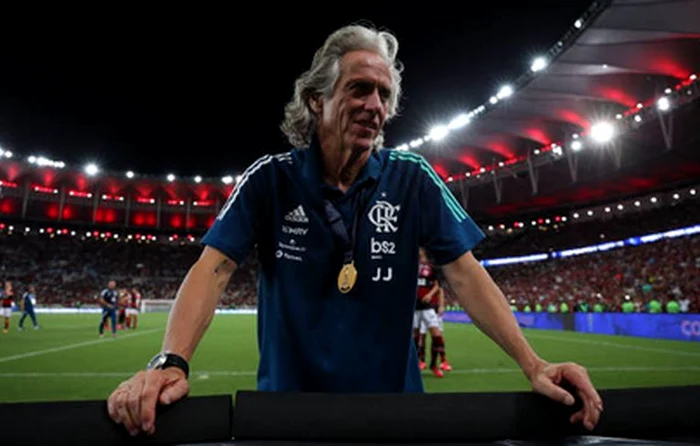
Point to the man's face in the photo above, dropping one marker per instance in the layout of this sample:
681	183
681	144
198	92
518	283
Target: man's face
112	284
355	114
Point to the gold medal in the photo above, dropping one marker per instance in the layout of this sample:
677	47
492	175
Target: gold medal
347	277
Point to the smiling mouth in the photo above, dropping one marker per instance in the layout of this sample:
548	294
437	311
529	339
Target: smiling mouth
368	124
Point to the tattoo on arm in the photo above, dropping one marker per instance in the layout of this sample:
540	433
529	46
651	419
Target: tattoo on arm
223	266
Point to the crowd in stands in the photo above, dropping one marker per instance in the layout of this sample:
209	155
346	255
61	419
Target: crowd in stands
70	271
610	227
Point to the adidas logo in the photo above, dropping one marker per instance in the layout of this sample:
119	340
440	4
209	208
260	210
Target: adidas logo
297	215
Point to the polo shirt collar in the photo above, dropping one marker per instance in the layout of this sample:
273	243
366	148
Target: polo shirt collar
312	166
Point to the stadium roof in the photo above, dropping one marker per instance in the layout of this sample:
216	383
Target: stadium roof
515	152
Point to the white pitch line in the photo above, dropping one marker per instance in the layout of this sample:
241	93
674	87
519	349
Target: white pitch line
613	344
474	371
78	345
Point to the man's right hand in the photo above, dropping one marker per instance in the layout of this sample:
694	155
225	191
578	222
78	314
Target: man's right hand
133	402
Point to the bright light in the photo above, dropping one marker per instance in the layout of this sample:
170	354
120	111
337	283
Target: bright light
640	105
602	132
91	169
504	92
130	174
668	91
676	196
620	207
692	191
576	215
228	179
8	154
197	179
590	213
637	203
239	178
32	159
538	64
439	132
578	23
637	118
171	177
663	104
654	199
618	116
576	146
459	121
693	77
402	147
493	99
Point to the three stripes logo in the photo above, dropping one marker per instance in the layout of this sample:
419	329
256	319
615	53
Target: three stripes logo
297	215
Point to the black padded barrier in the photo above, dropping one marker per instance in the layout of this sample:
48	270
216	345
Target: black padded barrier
77	423
651	416
658	413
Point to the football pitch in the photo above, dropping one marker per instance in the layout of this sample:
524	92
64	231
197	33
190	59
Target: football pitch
65	359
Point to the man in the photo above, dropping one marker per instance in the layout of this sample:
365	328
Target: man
132	311
425	315
109	299
337	224
8	299
27	305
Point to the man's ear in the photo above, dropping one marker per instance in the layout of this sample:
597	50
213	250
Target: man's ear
316	103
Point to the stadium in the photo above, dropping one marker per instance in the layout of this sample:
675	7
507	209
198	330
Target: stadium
583	173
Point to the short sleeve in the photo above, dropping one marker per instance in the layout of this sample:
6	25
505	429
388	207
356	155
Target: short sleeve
236	227
446	231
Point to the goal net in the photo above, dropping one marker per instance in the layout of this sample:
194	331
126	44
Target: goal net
156	305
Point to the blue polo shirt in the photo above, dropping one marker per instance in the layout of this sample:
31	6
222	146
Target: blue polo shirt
311	337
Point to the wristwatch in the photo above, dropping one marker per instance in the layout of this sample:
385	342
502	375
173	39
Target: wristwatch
164	360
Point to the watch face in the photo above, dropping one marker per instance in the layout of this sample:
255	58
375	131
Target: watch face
157	362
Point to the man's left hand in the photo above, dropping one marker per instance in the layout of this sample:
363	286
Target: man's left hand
547	379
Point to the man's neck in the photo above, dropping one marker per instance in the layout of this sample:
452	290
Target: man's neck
342	166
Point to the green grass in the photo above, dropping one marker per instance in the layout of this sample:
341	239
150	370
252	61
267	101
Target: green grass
65	360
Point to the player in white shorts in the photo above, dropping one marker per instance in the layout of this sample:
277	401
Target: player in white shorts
428	289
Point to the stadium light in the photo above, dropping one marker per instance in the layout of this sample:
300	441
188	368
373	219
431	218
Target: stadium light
438	132
602	132
576	146
130	174
459	121
91	169
197	179
228	179
663	104
539	64
504	92
171	177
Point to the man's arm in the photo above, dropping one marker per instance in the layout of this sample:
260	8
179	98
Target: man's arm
441	301
196	302
487	306
431	293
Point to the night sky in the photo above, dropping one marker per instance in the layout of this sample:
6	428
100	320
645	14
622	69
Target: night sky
202	91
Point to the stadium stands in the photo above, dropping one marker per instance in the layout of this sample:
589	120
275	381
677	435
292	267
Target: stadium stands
70	270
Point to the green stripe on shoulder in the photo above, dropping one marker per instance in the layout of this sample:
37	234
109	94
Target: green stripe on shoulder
451	202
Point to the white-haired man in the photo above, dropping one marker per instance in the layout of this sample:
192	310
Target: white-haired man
338	223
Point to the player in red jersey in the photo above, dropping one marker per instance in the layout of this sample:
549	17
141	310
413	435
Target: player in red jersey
8	298
438	304
132	311
428	286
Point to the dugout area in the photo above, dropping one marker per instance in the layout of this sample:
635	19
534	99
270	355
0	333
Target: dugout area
651	416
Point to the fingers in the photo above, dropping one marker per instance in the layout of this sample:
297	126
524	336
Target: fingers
123	410
153	385
589	415
133	407
175	391
549	389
